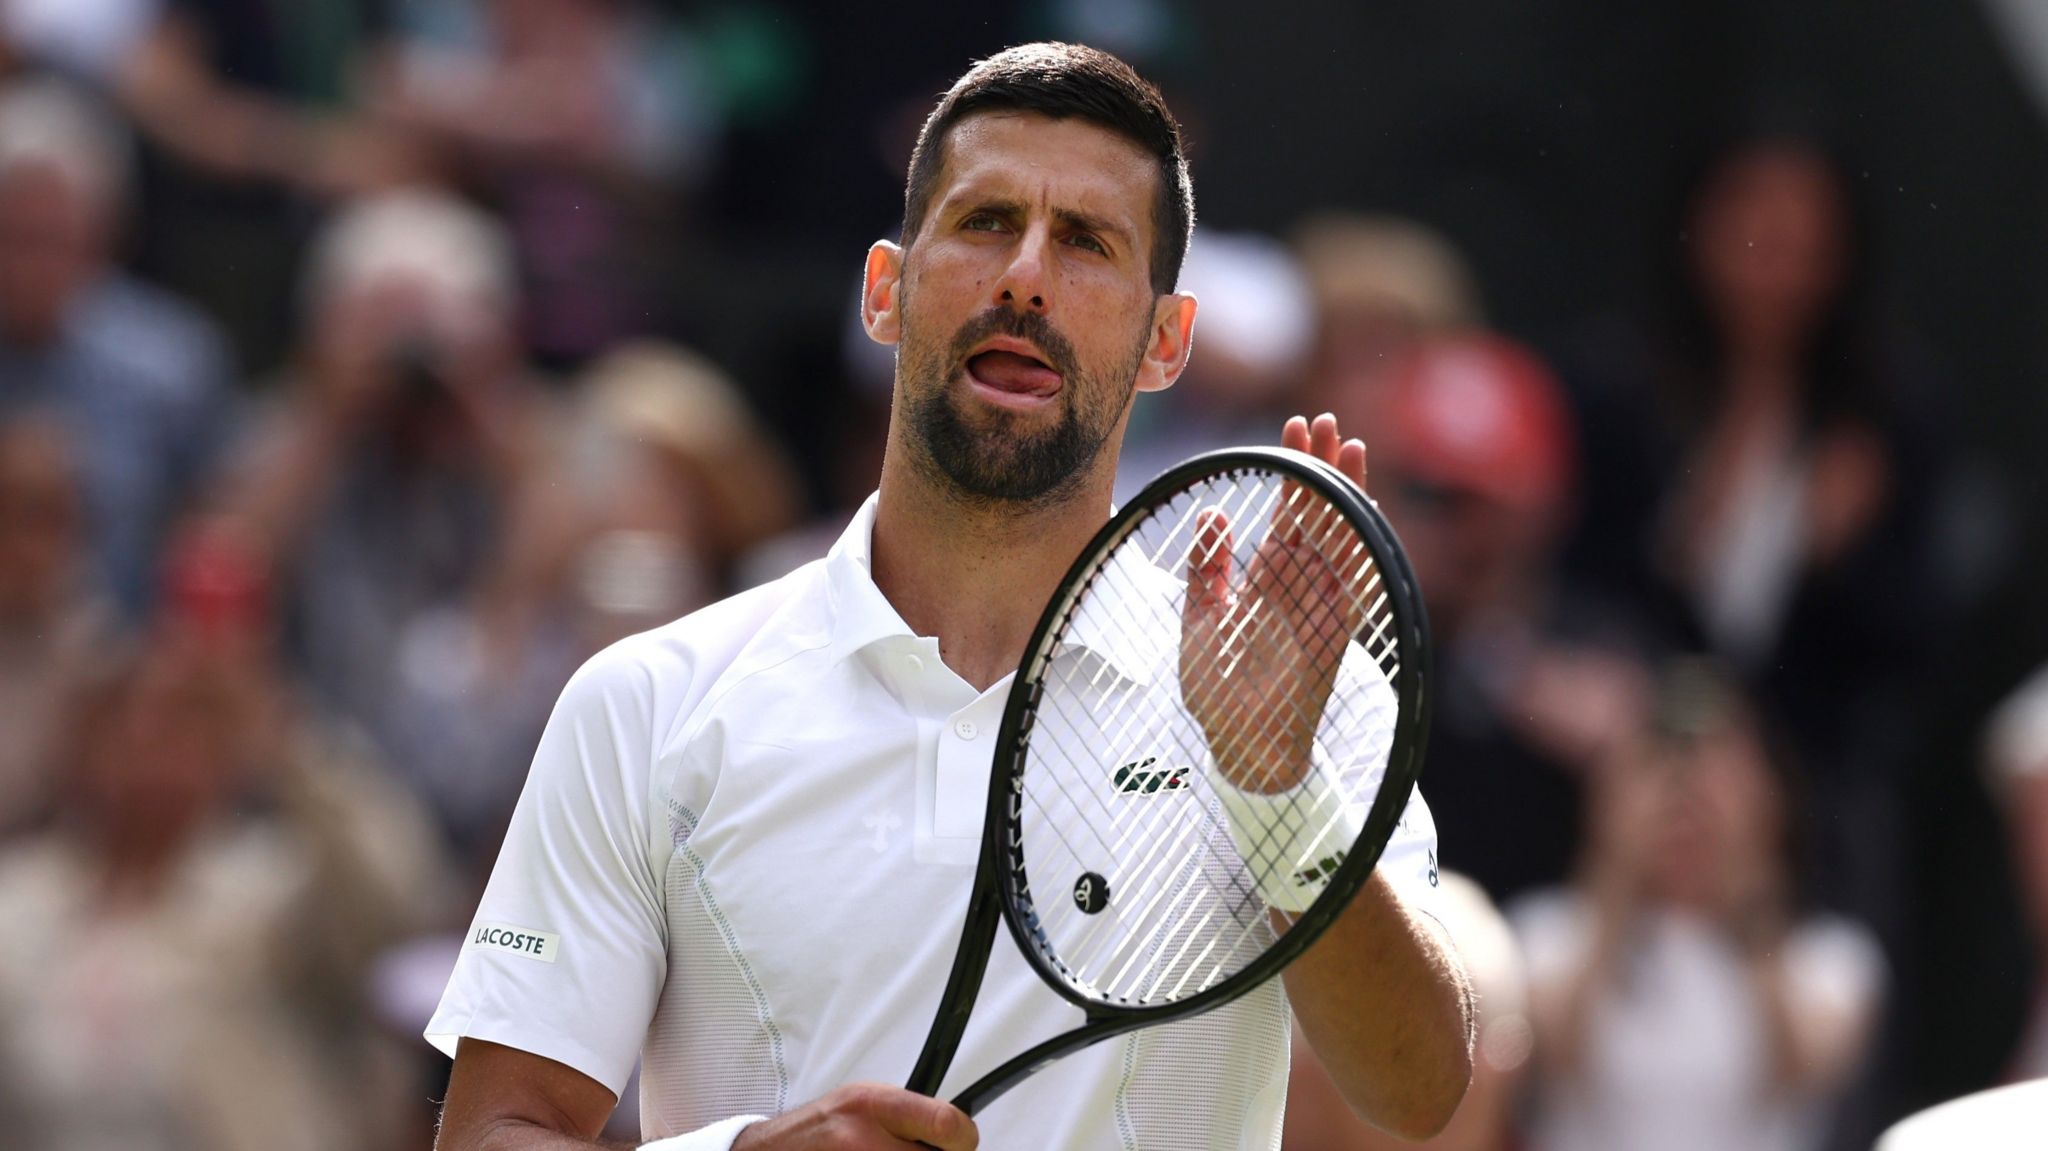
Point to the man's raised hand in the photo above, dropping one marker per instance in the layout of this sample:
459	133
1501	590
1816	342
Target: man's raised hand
1259	657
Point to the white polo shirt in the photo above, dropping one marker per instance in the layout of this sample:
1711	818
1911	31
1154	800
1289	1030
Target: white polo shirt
743	854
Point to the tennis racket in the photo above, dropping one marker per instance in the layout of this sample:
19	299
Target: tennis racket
1210	740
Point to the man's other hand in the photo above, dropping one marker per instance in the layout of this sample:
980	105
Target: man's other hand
864	1117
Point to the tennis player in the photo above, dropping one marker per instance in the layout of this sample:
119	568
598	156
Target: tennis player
748	838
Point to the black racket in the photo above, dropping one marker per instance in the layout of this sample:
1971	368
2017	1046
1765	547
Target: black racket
1150	836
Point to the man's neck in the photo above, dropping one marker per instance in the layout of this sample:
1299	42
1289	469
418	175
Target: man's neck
973	575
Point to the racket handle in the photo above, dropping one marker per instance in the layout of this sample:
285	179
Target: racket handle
939	1047
963	985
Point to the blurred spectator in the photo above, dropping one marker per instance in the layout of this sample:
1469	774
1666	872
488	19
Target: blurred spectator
1318	1119
1789	469
678	479
1766	479
50	620
259	89
187	947
246	112
137	377
2016	751
663	479
578	119
1379	284
1474	460
1680	999
385	481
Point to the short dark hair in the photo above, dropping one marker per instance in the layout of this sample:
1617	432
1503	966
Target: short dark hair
1059	81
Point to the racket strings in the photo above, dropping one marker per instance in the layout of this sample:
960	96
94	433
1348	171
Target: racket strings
1120	783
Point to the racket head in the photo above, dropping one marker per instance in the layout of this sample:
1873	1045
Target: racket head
1073	749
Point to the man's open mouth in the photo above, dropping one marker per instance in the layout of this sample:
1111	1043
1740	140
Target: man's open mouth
1018	373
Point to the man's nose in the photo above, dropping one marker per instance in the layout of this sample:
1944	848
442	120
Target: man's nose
1027	280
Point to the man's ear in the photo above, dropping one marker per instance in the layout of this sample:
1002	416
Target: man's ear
881	294
1173	337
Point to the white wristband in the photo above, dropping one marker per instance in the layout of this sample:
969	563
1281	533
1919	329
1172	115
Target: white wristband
717	1137
1291	841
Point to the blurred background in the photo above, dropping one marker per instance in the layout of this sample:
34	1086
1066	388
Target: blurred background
366	366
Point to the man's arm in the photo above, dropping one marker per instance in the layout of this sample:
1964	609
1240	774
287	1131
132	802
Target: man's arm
1384	1000
504	1099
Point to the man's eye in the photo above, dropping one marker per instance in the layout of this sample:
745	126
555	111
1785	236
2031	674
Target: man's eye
981	222
1085	240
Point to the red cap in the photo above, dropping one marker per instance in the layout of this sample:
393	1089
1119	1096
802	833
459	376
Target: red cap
217	580
1482	414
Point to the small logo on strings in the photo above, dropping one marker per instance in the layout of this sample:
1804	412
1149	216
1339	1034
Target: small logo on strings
1091	892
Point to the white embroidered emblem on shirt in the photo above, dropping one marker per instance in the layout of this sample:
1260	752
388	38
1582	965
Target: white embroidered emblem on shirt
881	823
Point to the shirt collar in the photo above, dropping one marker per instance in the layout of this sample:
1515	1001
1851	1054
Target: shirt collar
1130	620
861	614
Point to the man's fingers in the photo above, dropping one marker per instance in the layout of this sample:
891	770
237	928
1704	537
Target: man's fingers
1306	526
1351	461
1319	438
1322	435
922	1119
1295	434
1209	562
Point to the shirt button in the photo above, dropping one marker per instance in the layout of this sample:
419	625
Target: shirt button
965	729
913	663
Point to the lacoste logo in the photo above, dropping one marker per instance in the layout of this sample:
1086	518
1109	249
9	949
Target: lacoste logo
1141	778
541	945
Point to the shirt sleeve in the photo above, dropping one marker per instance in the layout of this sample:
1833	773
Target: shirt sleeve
1409	862
568	950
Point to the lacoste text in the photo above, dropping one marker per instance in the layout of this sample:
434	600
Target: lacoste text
541	945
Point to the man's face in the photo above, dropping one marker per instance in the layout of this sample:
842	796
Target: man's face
1027	316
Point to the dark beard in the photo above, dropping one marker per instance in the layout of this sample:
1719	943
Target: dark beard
992	457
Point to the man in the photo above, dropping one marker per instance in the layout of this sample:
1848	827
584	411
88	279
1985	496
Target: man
136	378
749	836
391	479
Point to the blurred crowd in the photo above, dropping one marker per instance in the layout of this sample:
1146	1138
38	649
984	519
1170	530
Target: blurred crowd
348	401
